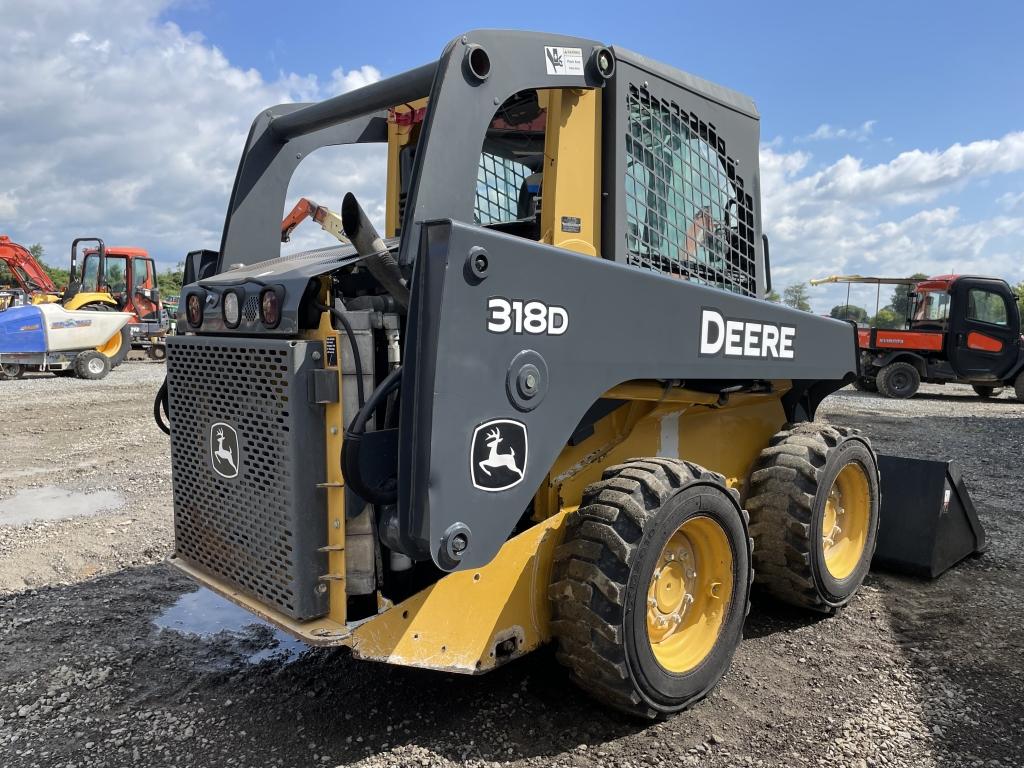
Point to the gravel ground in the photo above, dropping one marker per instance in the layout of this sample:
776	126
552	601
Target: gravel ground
93	673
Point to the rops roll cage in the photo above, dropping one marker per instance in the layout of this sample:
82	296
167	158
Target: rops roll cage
483	67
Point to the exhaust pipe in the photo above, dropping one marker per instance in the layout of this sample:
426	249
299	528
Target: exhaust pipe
370	246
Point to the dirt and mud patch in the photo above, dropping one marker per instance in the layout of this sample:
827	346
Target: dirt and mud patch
110	658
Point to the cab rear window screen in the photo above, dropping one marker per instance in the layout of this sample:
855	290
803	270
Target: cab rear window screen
687	213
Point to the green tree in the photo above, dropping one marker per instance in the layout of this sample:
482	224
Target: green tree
887	318
900	302
796	296
1019	290
169	281
59	275
773	296
849	312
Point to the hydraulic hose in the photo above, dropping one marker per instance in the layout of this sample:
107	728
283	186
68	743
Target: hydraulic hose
161	414
353	441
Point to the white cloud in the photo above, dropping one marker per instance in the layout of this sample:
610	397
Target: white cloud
849	217
118	125
828	132
1011	201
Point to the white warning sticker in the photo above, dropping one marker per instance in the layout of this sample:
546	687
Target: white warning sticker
563	61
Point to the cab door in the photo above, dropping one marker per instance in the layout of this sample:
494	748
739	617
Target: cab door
984	328
145	296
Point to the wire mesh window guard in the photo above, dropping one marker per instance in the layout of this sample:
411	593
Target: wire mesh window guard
687	213
498	182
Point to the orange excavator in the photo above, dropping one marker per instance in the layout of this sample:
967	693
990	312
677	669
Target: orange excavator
307	209
21	276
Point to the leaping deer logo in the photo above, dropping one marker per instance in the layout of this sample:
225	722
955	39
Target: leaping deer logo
498	455
495	459
222	455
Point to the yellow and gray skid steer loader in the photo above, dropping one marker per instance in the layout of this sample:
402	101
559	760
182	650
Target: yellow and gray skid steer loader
549	404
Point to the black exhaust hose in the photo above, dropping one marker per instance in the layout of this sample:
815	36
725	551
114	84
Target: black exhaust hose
370	246
340	317
353	437
163	420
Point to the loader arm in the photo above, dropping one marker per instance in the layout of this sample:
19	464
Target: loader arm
541	335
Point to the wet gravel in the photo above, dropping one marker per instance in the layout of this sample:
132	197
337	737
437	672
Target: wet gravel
109	658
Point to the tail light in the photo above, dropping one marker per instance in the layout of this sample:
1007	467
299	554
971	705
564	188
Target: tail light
270	307
232	309
194	309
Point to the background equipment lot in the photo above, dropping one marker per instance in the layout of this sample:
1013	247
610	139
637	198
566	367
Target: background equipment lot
911	673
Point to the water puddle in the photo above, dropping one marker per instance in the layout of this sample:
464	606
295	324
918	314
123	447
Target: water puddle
51	503
206	614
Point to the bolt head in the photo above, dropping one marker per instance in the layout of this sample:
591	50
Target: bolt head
459	542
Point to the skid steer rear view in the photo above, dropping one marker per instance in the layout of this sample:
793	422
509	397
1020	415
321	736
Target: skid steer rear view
550	404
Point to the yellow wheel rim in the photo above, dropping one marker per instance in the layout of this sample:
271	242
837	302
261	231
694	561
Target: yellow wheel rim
844	529
689	594
112	346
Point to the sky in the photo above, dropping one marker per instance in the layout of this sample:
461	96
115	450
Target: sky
892	133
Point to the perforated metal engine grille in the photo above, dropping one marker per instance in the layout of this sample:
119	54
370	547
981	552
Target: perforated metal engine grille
687	212
261	529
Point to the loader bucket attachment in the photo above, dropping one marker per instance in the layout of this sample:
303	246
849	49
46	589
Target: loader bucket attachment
928	522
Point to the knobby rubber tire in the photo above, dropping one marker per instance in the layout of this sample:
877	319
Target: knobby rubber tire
885	383
82	365
11	371
1018	387
599	583
786	497
126	335
865	384
986	391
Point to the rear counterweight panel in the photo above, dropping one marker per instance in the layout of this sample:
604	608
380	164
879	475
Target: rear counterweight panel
247	453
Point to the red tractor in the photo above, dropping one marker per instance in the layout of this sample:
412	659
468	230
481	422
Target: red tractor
959	329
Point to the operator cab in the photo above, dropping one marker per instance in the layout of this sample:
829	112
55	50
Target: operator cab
128	276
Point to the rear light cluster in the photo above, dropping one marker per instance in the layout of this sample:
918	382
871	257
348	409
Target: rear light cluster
270	306
231	307
194	310
233	304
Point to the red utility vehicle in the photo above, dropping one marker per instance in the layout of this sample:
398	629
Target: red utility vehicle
959	329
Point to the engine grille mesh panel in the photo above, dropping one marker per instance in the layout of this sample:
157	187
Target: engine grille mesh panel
250	529
687	212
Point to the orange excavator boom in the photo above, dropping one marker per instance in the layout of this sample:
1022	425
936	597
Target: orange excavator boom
29	273
307	209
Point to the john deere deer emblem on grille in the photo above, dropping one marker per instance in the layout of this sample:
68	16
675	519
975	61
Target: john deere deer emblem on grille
224	454
498	455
